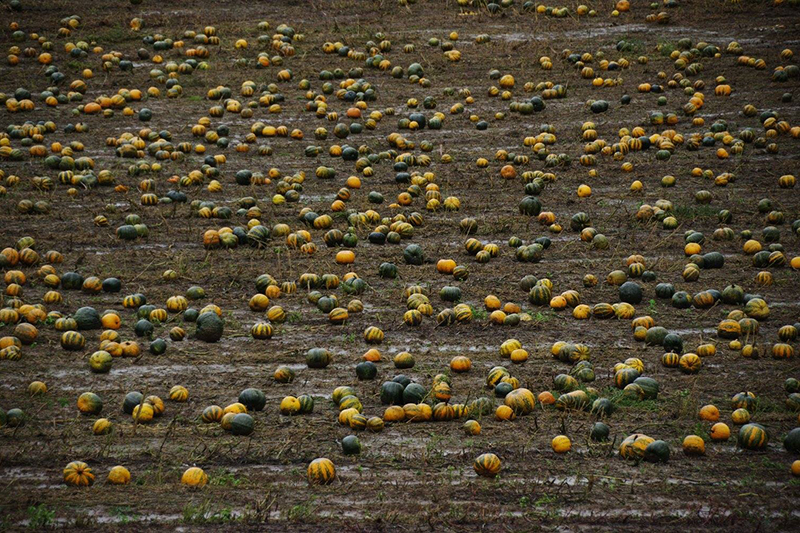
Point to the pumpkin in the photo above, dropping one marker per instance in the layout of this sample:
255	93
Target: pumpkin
350	402
792	441
743	400
495	375
561	444
283	374
37	388
670	360
321	471
487	465
404	360
253	399
753	437
212	413
709	413
690	363
694	445
242	424
577	399
318	358
740	416
720	432
131	400
460	364
600	432
26	333
208	327
472	427
143	413
119	475
782	351
657	452
101	426
78	474
90	403
100	362
194	477
634	446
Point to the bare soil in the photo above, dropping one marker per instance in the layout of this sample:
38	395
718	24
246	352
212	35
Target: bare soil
411	476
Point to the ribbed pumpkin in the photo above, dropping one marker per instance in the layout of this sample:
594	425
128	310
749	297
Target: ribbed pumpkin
487	465
78	474
753	437
521	400
690	363
321	471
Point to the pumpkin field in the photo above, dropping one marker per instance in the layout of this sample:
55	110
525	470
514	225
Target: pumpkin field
381	265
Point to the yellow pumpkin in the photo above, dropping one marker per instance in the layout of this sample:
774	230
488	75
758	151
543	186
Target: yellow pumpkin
194	477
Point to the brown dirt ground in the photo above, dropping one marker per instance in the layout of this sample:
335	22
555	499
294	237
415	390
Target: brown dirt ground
410	476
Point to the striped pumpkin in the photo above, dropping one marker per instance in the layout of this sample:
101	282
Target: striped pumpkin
495	375
487	465
178	393
690	363
78	474
753	437
782	351
212	413
261	330
603	311
373	335
521	400
321	471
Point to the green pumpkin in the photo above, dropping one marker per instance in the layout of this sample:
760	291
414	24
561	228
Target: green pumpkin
450	294
413	254
253	399
600	432
414	393
143	328
791	385
481	406
565	383
630	292
655	336
366	370
14	418
351	445
391	393
131	400
208	327
602	407
743	400
657	452
577	399
71	281
306	403
387	270
242	424
792	441
318	358
793	402
649	386
625	377
127	232
87	318
195	293
530	206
